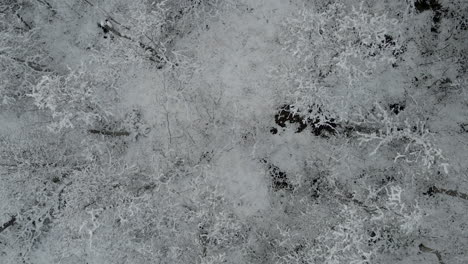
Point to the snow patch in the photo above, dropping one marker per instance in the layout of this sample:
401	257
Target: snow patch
244	181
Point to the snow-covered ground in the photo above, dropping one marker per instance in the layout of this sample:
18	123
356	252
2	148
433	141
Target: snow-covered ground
243	131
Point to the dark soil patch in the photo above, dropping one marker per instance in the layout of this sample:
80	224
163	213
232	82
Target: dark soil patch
388	40
464	127
286	115
387	43
206	156
279	178
397	108
424	5
431	191
318	186
435	7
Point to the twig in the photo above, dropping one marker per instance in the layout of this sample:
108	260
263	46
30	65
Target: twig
167	113
155	57
33	65
106	13
423	248
49	6
440	60
24	22
71	8
6	8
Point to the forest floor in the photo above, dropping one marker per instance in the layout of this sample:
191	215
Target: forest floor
204	159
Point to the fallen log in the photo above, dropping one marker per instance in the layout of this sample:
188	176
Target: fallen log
109	133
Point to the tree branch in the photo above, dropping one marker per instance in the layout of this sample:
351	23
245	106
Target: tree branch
24	22
423	248
10	222
433	190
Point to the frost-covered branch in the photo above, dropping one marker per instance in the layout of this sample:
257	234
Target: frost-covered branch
71	99
418	140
